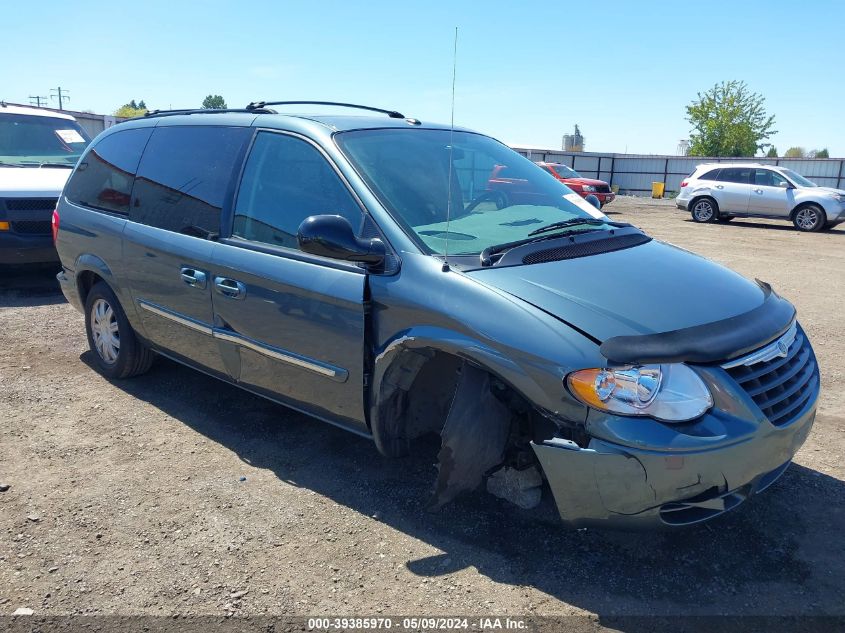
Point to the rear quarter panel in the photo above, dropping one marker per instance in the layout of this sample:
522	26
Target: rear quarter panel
93	241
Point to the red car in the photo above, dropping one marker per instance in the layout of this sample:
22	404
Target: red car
582	186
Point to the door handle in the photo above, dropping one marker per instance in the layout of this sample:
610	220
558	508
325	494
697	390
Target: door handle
192	277
720	186
230	287
760	191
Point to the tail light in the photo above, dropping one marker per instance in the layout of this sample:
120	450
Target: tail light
684	183
54	224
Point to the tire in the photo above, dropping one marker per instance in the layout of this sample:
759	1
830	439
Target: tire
116	350
809	218
704	210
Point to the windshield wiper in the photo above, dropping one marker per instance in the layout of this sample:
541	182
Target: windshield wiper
487	254
567	223
68	165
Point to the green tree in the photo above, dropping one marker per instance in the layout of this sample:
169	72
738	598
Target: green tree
729	120
772	153
795	152
214	102
822	153
131	109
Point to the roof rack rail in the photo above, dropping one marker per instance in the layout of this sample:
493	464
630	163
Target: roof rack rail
158	113
257	105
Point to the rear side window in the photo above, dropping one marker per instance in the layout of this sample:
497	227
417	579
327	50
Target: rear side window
184	176
286	180
103	179
713	174
740	175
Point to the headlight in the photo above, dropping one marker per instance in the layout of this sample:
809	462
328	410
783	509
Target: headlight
588	188
839	197
670	392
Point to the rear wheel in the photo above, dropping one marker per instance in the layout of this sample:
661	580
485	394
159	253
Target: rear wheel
117	351
809	218
704	210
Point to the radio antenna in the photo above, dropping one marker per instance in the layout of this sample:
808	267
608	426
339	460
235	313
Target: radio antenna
451	167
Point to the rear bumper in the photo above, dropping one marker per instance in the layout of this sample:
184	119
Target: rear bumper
67	283
681	204
614	486
26	249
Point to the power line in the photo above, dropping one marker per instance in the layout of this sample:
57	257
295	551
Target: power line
37	101
62	95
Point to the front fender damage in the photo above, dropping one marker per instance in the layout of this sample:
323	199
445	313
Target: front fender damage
473	438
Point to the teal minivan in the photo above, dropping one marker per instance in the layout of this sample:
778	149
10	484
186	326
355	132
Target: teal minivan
361	269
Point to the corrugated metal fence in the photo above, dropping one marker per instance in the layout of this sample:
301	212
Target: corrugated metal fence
634	173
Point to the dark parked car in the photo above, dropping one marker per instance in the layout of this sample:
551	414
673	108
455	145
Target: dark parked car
359	269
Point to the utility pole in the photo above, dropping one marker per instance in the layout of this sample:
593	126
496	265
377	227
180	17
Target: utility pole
61	94
37	101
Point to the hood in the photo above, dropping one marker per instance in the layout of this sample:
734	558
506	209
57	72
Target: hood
646	289
840	192
32	182
583	181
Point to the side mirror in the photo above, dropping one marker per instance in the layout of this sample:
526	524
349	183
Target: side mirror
785	185
333	236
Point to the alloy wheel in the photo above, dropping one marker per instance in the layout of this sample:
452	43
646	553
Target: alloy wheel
806	219
703	211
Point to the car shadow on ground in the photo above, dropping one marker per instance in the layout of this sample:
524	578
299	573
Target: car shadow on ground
780	553
29	285
773	226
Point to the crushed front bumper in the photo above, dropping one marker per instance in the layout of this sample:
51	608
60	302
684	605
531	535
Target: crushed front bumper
623	486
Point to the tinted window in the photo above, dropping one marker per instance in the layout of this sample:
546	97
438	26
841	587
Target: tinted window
736	174
184	175
713	174
286	180
768	178
103	179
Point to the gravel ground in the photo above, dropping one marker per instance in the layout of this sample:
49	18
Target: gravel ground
174	493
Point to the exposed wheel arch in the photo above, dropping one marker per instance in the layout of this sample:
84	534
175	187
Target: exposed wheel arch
413	393
484	427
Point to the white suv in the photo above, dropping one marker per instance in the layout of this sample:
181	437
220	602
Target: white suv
723	191
38	150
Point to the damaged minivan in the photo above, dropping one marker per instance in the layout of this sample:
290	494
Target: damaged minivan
362	270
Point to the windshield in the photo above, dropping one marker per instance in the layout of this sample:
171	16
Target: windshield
491	194
565	172
798	179
30	141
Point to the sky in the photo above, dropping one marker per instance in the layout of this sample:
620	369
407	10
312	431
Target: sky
527	71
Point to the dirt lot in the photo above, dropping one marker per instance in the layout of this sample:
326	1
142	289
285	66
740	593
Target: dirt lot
174	493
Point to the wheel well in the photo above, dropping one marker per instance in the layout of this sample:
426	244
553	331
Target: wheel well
695	200
417	392
85	281
480	426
